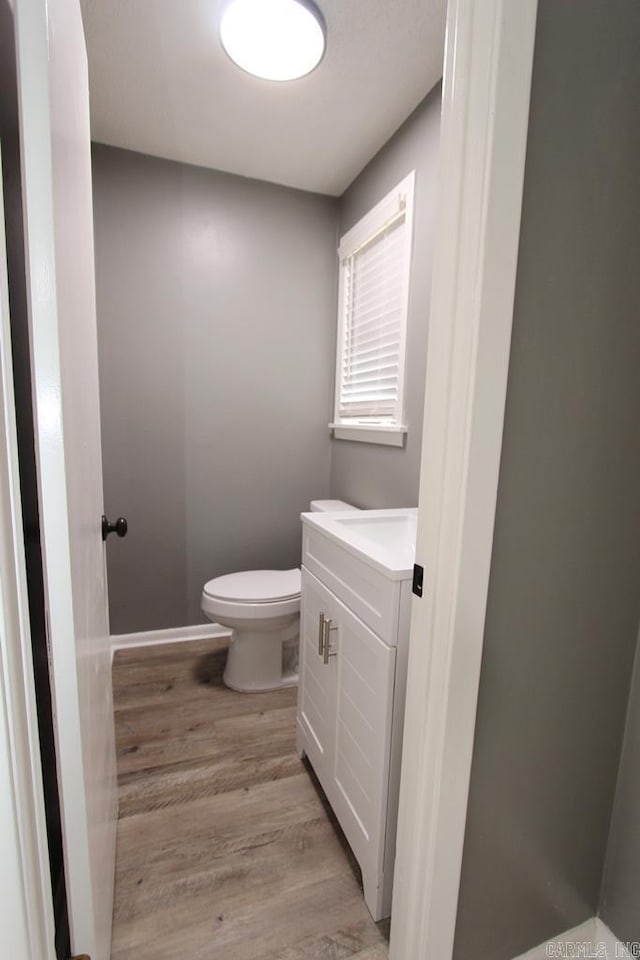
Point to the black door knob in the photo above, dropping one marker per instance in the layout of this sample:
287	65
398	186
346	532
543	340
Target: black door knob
120	527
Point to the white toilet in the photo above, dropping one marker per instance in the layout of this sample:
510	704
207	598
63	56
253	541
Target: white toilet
262	608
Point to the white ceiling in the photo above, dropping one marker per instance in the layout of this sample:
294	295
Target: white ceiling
161	84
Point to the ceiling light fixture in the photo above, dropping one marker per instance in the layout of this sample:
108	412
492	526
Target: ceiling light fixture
274	39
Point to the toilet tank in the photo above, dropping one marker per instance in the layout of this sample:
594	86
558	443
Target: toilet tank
330	506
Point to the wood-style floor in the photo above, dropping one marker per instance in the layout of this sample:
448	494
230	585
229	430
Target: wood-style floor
225	847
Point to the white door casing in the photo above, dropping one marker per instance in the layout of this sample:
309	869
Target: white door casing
486	91
26	911
54	123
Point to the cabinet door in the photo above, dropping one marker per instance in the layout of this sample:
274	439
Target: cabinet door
364	708
345	712
317	691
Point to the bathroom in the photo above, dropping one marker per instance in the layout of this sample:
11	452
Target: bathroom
217	384
217	304
217	312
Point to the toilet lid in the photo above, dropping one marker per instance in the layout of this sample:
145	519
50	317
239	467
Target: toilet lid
255	586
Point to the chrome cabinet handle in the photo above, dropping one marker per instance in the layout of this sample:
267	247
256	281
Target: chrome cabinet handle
327	628
321	622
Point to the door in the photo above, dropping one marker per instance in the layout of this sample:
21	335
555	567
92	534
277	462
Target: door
56	175
17	361
364	701
316	711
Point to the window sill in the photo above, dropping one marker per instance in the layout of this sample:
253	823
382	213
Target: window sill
390	436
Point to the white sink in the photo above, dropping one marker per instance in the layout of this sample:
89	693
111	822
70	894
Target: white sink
395	532
386	539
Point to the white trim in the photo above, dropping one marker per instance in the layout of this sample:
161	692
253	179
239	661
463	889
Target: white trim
35	62
487	76
391	436
28	927
149	638
591	940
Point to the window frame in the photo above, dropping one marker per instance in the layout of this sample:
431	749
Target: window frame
397	202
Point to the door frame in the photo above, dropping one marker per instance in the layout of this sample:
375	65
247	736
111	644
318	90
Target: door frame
485	117
24	869
40	79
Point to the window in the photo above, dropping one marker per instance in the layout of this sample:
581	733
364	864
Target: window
375	258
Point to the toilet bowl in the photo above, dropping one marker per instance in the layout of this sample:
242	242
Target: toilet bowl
262	609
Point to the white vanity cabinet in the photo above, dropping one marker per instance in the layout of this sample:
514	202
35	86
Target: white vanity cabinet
353	651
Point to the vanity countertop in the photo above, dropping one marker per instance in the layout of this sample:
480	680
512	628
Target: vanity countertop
384	539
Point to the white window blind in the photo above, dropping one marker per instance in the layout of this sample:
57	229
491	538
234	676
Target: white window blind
374	285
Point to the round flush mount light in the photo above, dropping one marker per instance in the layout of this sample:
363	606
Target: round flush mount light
274	39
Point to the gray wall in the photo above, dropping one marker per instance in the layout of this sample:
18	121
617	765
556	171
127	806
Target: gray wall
620	900
366	474
216	310
216	321
564	599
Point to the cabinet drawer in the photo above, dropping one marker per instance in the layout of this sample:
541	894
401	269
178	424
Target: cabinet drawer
360	587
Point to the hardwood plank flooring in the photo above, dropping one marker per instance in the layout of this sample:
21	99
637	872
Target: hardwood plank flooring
226	846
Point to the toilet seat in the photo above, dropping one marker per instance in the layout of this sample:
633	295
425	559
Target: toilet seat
253	594
255	586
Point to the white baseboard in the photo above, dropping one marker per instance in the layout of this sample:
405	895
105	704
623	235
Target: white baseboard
148	638
592	940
